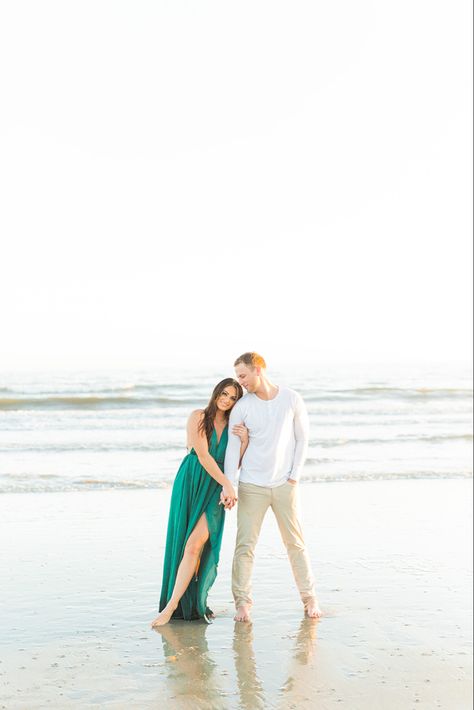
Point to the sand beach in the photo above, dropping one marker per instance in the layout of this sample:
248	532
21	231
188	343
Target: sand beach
81	575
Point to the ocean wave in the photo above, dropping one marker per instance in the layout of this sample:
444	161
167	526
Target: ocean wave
127	395
385	476
106	447
78	389
91	402
164	446
390	392
56	484
400	439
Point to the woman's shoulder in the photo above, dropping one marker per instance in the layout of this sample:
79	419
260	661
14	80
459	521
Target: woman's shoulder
196	415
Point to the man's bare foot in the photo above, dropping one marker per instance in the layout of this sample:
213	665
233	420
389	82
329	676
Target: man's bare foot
243	613
312	609
164	617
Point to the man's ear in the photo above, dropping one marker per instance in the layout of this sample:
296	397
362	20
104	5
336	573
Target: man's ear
259	370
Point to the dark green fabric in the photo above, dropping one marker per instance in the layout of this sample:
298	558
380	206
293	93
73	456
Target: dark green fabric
194	492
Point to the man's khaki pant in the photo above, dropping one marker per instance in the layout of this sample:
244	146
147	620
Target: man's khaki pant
252	506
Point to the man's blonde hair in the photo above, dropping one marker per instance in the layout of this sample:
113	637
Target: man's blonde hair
251	360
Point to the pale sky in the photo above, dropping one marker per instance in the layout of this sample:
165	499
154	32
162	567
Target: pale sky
183	181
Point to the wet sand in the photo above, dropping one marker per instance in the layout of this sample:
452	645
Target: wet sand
81	575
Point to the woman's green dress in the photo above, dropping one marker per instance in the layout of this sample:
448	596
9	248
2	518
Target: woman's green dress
194	492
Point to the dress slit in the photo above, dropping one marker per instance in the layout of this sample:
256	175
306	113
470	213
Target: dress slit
194	493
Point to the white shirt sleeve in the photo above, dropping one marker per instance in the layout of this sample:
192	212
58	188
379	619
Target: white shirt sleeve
301	428
232	452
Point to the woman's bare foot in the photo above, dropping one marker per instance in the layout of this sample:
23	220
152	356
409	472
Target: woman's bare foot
164	617
243	613
312	609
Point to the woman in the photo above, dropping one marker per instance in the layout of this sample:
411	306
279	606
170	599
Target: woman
196	518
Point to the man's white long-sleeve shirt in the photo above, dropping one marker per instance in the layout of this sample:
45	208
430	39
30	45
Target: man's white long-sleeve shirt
278	443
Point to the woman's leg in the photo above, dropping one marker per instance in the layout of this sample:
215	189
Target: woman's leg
188	566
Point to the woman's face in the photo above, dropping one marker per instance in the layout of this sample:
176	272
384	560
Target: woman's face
227	398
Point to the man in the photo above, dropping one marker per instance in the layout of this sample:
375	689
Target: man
277	421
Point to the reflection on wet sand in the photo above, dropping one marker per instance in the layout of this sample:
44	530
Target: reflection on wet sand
300	678
298	687
305	641
196	681
250	685
191	670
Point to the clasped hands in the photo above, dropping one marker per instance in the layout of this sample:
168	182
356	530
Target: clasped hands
228	501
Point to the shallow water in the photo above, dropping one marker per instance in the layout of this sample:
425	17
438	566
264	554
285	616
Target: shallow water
82	431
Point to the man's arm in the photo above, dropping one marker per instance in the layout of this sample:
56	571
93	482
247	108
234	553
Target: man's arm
232	453
301	427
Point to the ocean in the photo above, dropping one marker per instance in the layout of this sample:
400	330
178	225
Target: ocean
92	430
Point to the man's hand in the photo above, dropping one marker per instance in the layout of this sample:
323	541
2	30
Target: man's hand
293	483
227	501
242	432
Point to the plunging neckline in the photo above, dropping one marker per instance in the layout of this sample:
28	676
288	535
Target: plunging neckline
218	441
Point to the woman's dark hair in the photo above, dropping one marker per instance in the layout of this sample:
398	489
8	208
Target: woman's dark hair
207	422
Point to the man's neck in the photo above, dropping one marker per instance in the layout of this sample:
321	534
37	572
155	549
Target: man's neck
266	390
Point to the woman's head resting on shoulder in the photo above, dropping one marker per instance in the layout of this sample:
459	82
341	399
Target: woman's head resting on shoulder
224	396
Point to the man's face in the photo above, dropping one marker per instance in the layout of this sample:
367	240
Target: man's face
249	377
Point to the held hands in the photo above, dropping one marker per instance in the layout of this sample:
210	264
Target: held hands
228	496
228	503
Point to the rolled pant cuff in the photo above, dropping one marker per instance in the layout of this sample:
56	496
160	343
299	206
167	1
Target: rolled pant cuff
239	601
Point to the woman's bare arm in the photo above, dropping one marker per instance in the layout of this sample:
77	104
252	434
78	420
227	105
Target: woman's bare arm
198	440
242	432
243	449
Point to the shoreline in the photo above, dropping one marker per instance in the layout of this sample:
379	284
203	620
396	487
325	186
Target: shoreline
92	486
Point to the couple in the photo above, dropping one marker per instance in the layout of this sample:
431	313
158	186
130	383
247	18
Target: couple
264	433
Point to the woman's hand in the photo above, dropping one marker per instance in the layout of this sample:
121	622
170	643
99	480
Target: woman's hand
229	503
242	432
229	491
228	496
